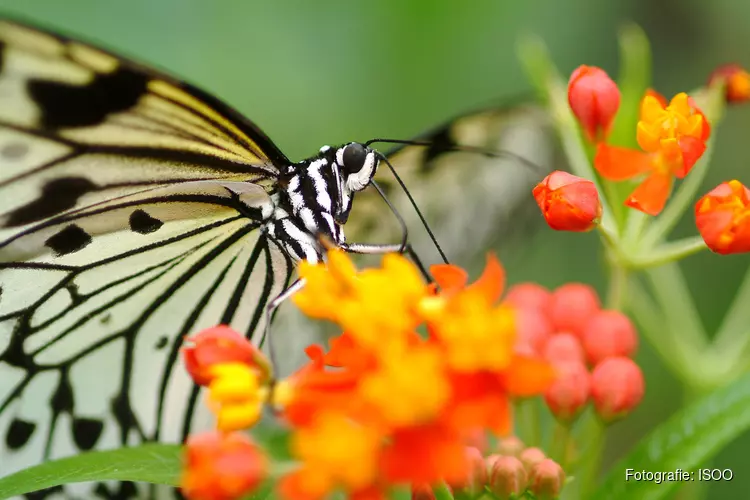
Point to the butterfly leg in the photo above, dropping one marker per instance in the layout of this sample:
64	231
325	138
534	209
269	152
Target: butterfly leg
373	249
271	307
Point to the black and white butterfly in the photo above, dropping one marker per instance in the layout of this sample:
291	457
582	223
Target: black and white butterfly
136	209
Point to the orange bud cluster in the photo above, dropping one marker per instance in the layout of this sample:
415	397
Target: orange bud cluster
569	328
568	203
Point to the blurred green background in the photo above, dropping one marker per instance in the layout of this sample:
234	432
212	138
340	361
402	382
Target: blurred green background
325	72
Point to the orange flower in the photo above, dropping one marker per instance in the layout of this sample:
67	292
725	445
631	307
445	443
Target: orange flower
335	451
737	82
221	466
374	305
723	218
673	137
594	99
237	395
568	203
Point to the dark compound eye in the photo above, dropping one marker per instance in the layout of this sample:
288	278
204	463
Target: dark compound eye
354	157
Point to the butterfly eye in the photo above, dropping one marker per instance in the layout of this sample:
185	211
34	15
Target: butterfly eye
354	157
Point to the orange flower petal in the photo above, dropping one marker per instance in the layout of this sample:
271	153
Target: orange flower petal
449	277
692	149
492	281
618	164
528	376
651	196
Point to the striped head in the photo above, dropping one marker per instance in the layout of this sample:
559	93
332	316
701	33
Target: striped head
320	190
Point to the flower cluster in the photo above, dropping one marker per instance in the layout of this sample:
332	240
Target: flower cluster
385	405
591	348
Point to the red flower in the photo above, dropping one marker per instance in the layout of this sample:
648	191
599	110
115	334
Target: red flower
218	345
673	138
609	334
736	79
723	218
568	203
594	99
567	396
221	466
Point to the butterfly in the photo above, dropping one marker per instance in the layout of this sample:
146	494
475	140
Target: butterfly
136	209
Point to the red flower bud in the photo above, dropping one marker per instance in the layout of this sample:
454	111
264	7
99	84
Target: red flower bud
219	344
510	446
530	457
567	202
529	295
722	218
508	477
609	334
572	307
736	79
564	347
617	387
546	480
220	466
594	99
533	328
569	393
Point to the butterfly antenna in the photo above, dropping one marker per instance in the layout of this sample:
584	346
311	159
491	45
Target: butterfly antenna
401	221
491	153
413	204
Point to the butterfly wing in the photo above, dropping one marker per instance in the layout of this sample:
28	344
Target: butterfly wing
472	202
130	205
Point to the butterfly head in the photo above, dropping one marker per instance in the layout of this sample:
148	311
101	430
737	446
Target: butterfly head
357	164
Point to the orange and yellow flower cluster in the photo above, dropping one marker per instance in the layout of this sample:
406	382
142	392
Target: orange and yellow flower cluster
386	405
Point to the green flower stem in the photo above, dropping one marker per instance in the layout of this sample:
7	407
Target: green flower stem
529	421
545	77
442	492
667	252
587	470
560	444
618	282
634	227
733	338
684	333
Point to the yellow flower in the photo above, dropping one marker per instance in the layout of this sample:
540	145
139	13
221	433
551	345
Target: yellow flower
236	396
661	125
335	451
398	387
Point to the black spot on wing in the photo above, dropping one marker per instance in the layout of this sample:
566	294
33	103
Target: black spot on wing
86	432
126	490
64	105
14	150
161	343
440	142
19	433
45	493
143	223
57	196
62	399
3	47
69	240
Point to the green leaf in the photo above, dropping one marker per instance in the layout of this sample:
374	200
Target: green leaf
151	463
686	441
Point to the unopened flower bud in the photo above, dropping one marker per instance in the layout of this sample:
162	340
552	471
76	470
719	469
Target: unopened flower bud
594	99
222	466
530	457
508	477
546	480
567	202
737	82
422	491
569	393
533	328
572	306
529	295
511	446
617	387
477	478
609	334
564	348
